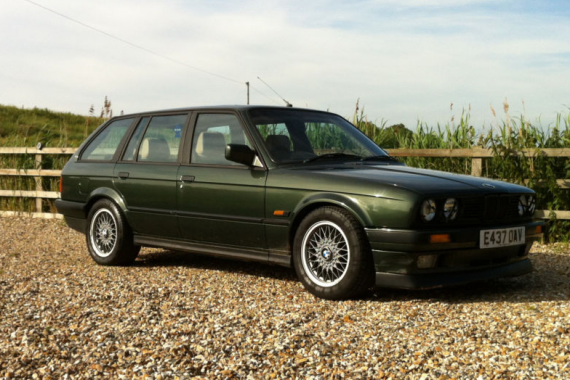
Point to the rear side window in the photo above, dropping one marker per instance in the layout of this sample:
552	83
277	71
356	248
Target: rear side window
161	141
104	146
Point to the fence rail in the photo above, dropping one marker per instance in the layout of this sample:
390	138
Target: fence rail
476	154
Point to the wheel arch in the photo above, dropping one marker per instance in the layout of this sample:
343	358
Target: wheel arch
314	202
105	193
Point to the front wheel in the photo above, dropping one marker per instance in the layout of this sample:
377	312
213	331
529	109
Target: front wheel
109	237
331	254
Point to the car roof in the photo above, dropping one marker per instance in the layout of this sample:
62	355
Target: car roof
219	107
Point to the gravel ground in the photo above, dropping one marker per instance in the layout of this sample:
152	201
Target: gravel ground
176	315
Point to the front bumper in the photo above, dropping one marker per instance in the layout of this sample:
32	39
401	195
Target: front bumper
461	260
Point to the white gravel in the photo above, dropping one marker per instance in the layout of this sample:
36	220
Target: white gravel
175	315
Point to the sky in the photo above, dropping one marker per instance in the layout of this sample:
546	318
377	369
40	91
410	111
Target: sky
404	60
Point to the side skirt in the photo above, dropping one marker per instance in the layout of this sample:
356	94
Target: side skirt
260	255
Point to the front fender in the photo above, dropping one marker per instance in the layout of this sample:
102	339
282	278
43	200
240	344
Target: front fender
351	203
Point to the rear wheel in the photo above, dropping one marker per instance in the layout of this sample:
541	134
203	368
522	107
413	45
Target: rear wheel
109	237
332	255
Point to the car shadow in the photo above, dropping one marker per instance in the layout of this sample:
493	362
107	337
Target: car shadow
549	281
169	258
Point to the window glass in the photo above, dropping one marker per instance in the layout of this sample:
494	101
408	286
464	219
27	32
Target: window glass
161	140
104	146
131	150
211	135
294	136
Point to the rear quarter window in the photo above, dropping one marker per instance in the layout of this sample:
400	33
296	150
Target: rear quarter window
104	146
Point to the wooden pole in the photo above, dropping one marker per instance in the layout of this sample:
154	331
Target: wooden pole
38	164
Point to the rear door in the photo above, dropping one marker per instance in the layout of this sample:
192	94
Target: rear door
220	202
146	174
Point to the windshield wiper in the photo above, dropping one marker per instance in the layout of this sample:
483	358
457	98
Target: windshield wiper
331	155
379	158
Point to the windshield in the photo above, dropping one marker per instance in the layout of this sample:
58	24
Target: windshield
304	136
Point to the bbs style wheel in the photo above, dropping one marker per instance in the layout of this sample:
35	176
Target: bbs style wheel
109	237
331	254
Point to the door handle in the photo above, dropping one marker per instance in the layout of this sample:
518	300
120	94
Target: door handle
123	175
187	178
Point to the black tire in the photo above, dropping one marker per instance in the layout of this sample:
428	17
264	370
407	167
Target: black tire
331	254
109	237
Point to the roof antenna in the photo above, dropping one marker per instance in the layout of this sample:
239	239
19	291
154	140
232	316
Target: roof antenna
286	102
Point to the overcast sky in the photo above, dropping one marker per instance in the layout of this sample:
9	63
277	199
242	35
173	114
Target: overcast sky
405	60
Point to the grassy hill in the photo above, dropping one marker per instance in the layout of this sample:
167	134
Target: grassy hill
27	127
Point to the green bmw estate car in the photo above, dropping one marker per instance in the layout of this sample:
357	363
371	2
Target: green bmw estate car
294	187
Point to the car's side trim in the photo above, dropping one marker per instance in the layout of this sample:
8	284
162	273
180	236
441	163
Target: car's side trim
77	210
251	254
230	218
277	222
158	211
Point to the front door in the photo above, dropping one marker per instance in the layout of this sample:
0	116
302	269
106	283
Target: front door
220	202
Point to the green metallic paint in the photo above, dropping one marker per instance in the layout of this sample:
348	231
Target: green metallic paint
105	192
222	205
232	208
373	204
150	197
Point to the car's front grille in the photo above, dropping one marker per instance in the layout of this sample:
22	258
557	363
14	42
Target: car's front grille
472	208
503	206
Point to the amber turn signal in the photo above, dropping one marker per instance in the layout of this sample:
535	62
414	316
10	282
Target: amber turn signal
443	238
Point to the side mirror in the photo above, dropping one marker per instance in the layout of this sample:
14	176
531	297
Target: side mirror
241	154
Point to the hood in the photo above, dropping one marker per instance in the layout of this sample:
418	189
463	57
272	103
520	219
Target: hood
378	179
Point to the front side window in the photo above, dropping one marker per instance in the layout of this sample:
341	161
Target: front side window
161	141
104	146
293	135
211	135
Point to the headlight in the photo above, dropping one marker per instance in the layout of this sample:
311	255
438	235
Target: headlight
527	205
450	209
428	210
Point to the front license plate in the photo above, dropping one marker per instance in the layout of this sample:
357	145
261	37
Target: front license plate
502	237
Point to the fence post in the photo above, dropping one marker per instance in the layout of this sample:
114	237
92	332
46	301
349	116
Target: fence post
477	163
38	165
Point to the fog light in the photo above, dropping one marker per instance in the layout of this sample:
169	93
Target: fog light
427	261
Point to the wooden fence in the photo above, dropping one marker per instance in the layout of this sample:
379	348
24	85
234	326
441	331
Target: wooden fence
477	156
